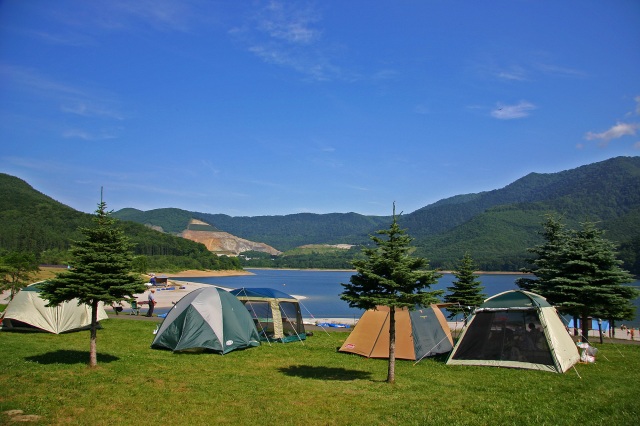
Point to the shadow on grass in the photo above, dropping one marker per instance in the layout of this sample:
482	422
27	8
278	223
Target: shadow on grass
69	357
324	373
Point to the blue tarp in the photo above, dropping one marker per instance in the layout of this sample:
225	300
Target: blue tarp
594	325
261	292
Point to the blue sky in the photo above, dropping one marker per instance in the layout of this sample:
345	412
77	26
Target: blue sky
254	108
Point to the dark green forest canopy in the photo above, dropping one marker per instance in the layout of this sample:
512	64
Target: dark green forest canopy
33	222
494	227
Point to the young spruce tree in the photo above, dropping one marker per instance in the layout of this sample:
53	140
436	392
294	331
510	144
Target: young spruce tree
578	272
101	272
466	291
16	270
390	276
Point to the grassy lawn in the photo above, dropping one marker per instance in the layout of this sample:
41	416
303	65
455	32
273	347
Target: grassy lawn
296	384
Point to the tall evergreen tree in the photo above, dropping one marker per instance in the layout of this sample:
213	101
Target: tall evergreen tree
101	271
579	273
466	291
390	276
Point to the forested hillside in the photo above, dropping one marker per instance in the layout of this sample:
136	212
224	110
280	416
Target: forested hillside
495	227
31	221
507	220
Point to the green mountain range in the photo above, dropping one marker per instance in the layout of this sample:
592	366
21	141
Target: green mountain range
34	222
495	227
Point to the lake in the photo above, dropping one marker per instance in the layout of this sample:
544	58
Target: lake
322	289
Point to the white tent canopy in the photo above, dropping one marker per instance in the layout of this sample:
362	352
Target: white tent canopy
28	311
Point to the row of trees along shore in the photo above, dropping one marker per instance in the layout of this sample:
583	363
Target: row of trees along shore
576	270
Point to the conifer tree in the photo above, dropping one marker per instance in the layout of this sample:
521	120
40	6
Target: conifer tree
390	276
466	292
101	271
579	273
16	270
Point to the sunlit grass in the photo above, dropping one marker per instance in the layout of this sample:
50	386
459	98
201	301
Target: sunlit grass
291	384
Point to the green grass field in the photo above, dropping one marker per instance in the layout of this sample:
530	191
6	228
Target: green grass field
296	384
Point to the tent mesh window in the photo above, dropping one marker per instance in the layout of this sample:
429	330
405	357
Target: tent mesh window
262	317
505	335
291	319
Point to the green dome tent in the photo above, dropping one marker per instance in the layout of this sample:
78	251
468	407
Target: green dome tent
516	329
207	319
28	312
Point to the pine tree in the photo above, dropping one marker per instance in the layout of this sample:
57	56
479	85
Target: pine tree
101	272
466	292
16	270
390	276
579	273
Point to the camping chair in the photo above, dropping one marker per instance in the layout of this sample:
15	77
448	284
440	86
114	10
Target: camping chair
135	309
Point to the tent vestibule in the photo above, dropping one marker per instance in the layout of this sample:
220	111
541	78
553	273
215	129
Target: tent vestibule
276	314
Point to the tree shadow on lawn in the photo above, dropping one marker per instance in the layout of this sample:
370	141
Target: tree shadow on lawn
324	373
69	357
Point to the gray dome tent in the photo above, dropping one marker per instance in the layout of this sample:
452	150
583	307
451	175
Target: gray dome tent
207	319
516	329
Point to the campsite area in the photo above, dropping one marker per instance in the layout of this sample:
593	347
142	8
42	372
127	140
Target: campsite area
46	377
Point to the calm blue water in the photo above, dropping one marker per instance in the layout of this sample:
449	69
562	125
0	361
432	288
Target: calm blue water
322	289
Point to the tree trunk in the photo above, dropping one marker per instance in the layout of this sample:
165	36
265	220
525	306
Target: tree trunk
585	328
391	373
600	330
93	353
612	328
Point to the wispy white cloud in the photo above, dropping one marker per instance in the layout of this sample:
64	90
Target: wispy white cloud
287	34
510	112
514	72
68	38
292	24
59	96
86	135
557	70
128	16
617	131
35	82
87	109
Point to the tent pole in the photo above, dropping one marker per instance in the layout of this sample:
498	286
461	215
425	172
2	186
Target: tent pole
288	319
309	312
264	332
428	352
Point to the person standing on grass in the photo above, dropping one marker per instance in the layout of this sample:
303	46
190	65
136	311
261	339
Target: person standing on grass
152	302
632	332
